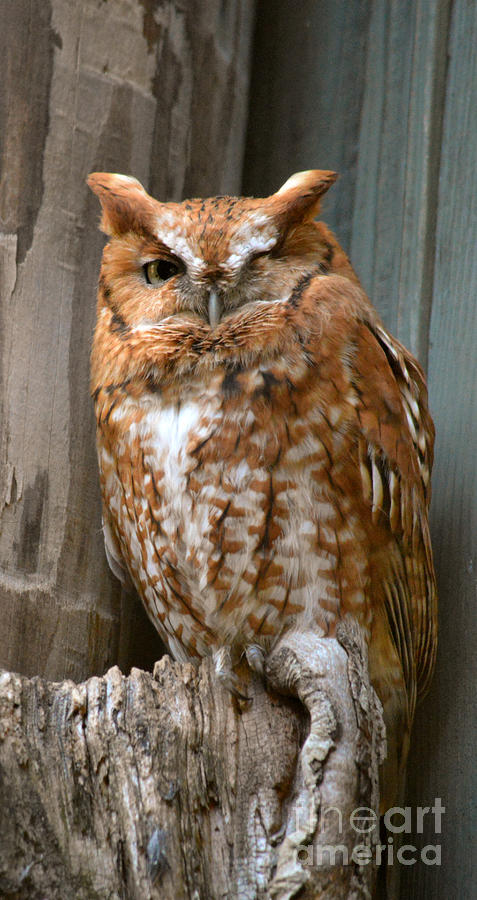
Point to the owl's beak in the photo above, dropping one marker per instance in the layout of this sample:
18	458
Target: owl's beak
215	308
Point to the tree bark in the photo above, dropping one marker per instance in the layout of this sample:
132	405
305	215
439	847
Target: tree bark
164	787
152	89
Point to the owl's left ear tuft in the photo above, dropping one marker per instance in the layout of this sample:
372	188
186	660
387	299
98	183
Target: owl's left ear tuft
126	205
299	198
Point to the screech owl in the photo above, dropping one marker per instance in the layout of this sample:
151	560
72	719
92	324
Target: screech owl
264	444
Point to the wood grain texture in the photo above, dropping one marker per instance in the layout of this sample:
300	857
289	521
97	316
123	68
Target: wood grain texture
394	214
445	734
156	90
306	93
160	787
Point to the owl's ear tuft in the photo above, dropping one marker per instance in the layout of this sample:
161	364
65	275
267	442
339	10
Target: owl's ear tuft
299	198
125	204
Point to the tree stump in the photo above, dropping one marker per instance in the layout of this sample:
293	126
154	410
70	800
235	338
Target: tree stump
163	786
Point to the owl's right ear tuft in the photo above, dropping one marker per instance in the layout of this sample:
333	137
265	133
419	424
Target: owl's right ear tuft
125	204
299	198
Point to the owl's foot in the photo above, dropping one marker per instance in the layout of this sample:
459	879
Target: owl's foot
313	669
224	671
337	767
255	656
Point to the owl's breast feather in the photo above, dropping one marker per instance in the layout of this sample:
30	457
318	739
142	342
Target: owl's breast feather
218	524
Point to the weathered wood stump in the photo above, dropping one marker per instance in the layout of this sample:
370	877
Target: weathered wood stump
163	786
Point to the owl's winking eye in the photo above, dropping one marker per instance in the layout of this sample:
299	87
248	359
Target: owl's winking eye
159	270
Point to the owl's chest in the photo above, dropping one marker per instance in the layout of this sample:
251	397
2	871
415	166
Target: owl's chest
229	469
195	460
222	502
194	475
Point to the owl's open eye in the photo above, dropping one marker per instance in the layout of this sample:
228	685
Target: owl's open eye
160	270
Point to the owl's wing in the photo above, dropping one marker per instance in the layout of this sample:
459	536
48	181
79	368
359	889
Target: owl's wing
113	553
395	437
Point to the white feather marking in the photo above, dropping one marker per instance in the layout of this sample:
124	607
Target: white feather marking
410	421
307	446
394	511
308	527
377	503
334	414
421	442
171	233
413	404
363	467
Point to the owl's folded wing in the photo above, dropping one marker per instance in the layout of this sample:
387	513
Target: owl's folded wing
395	457
113	554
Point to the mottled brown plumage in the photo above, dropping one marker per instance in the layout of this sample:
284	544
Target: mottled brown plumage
264	444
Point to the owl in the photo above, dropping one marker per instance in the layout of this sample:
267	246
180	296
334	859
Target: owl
264	444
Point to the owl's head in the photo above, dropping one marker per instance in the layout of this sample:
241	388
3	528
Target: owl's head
207	259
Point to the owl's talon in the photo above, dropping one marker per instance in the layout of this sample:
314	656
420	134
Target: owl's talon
234	686
238	694
225	674
255	656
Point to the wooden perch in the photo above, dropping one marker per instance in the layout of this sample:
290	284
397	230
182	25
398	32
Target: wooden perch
160	786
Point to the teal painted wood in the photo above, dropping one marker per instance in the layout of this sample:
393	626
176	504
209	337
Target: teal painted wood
305	98
398	162
445	738
426	104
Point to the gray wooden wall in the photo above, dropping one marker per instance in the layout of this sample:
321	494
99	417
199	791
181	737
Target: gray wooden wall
386	94
158	90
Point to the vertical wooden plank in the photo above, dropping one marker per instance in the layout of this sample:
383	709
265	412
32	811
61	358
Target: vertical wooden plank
377	236
445	737
422	150
200	90
395	210
305	98
157	90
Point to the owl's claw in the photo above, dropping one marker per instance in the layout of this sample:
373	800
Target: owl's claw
226	675
255	656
